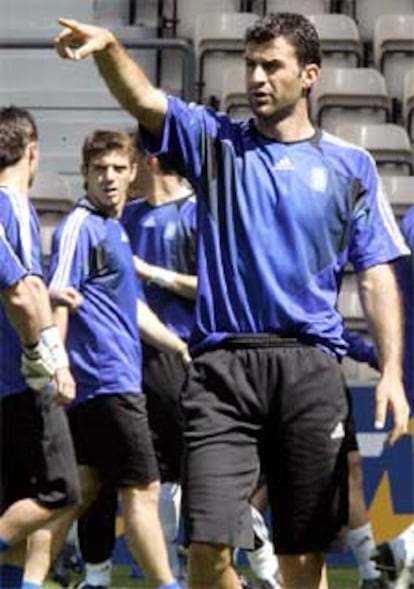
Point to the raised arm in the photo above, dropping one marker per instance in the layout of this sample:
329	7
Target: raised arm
124	77
382	305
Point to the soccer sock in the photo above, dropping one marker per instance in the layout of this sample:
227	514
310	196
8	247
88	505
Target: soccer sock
169	511
10	576
99	573
172	585
4	545
29	585
361	542
263	560
403	545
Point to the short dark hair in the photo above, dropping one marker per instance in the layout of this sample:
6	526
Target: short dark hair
101	141
164	163
17	130
296	28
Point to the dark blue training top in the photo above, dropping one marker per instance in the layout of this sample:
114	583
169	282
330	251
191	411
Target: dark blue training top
277	223
164	236
20	255
91	252
405	272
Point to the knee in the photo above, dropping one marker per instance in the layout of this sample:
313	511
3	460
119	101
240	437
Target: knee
211	558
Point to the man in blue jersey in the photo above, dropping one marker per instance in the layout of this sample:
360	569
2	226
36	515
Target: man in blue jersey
38	471
92	254
396	557
282	207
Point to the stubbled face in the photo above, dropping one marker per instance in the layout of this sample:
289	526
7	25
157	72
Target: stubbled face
275	80
108	177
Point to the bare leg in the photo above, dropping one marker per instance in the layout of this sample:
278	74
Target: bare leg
45	544
302	571
143	531
211	566
23	517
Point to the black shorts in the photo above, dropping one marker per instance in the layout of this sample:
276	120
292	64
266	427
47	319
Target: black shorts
111	435
163	378
37	454
281	409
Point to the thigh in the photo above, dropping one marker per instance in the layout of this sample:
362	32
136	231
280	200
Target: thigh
305	453
221	466
163	379
112	436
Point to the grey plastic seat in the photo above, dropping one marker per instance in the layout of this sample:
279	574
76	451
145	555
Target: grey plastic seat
400	192
340	40
349	303
408	102
350	95
303	7
220	38
188	12
233	92
366	13
388	143
394	49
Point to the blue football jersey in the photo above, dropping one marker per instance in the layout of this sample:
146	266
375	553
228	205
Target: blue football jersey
165	236
91	252
277	223
21	247
405	273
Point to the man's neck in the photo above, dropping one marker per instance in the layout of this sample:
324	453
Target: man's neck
295	127
16	178
167	190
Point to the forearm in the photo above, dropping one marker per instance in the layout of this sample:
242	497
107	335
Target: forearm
381	301
156	334
184	285
22	312
131	86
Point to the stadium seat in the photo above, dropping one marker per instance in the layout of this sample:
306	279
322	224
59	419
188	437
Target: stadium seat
307	7
220	37
349	303
233	92
188	12
340	41
350	95
400	191
367	11
408	103
37	15
394	49
388	143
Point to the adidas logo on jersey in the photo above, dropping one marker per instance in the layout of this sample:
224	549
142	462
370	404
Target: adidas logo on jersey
338	432
284	164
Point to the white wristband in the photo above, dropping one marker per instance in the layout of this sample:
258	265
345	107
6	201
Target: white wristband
162	277
50	337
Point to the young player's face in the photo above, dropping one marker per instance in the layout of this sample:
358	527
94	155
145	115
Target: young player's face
108	177
275	80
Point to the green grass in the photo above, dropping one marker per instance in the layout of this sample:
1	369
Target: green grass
339	578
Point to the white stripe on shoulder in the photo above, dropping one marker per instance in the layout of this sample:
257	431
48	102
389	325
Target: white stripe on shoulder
67	247
388	217
7	245
21	208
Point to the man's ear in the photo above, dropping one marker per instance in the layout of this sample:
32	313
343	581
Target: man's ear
310	74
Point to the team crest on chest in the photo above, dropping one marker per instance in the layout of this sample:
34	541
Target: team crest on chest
318	179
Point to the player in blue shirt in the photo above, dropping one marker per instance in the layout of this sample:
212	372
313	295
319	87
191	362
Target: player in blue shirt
396	557
282	207
38	471
92	254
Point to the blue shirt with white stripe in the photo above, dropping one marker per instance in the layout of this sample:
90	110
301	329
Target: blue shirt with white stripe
405	273
277	224
20	255
91	252
164	235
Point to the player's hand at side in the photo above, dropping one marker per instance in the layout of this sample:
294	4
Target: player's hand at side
79	40
65	388
68	297
390	396
143	269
